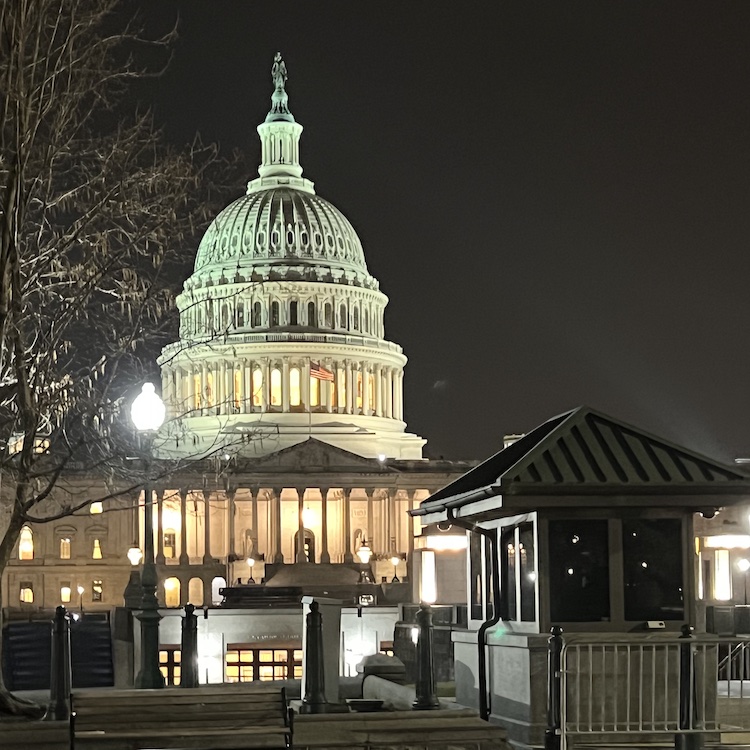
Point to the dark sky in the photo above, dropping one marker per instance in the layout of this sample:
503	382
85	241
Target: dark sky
554	195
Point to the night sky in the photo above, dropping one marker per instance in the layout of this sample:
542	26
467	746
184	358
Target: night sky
554	195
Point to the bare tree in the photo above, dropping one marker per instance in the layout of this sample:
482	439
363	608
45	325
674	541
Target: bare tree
92	208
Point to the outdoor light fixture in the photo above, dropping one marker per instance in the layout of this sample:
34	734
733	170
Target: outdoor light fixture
395	560
135	555
80	597
744	565
364	553
251	562
147	412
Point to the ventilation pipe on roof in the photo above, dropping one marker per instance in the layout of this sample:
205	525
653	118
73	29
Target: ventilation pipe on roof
491	537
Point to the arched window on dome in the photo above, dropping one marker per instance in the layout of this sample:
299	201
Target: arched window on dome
359	389
312	317
240	316
274	313
356	318
342	317
329	315
198	320
294	313
275	387
295	396
224	317
366	320
257	387
256	321
371	390
26	544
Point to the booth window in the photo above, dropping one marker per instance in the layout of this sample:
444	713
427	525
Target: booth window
579	571
518	573
652	557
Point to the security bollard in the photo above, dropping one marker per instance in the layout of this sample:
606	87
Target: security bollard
425	687
314	701
60	669
189	649
688	720
552	735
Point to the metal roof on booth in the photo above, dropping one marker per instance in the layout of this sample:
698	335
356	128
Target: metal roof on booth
585	453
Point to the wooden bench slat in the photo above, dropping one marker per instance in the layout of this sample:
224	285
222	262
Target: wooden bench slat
194	732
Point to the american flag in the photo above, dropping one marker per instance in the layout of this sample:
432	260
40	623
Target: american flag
320	372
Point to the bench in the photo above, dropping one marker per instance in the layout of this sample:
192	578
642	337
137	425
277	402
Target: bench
221	717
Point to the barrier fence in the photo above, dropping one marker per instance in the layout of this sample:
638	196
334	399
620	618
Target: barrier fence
646	687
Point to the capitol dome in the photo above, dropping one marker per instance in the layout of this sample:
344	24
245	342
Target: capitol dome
281	324
284	232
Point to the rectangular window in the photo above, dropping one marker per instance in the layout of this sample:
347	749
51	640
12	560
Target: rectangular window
251	663
170	664
722	575
96	553
197	391
314	392
652	558
26	594
65	548
96	508
170	544
237	389
527	572
475	575
65	592
508	576
97	590
579	571
257	387
275	387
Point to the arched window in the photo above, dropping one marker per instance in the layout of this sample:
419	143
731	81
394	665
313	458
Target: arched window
216	585
237	389
26	544
172	592
356	318
257	387
329	315
309	546
342	317
195	592
359	390
295	397
312	317
293	313
26	594
198	320
256	314
96	551
224	317
366	320
275	387
209	315
274	313
240	315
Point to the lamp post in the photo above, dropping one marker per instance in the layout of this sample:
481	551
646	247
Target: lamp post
250	563
395	560
147	413
744	565
80	598
364	553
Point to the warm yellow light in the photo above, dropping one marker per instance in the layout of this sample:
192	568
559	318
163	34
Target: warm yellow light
251	562
309	517
442	542
80	590
743	564
96	508
428	578
147	410
395	560
135	555
728	541
364	553
170	584
65	594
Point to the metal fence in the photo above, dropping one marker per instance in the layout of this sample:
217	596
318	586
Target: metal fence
652	685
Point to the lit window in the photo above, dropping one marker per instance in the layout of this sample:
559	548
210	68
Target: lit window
96	508
97	551
294	387
237	389
314	392
26	544
169	665
65	593
197	391
209	389
722	575
332	399
371	389
172	592
275	387
26	595
257	387
342	389
359	390
170	543
97	591
65	548
240	315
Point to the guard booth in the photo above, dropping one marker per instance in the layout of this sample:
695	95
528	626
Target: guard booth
584	523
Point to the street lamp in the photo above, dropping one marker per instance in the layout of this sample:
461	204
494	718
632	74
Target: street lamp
395	560
250	563
364	553
147	413
744	565
80	598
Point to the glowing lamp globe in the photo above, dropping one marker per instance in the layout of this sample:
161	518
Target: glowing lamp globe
743	565
147	411
395	560
364	553
134	555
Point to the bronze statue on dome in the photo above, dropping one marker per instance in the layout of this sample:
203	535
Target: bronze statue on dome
278	71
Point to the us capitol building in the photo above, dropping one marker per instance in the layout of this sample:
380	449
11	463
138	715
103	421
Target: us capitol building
284	408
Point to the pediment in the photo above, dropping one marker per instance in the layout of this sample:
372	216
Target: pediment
316	455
